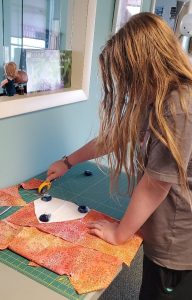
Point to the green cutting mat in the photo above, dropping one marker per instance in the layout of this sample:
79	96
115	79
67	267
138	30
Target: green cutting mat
92	191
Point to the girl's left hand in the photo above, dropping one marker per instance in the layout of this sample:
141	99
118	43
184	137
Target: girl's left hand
105	230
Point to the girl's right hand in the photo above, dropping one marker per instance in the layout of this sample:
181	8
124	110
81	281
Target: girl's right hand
57	169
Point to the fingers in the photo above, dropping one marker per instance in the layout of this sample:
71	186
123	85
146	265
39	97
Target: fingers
57	169
49	172
52	173
97	223
51	176
96	232
97	228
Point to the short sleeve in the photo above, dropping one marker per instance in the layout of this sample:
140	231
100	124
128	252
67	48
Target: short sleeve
161	165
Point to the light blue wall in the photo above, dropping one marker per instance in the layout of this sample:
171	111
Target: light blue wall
30	142
1	45
146	5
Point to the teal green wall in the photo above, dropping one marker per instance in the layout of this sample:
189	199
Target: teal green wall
31	142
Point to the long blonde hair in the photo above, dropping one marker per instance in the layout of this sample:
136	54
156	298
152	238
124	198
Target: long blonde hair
142	63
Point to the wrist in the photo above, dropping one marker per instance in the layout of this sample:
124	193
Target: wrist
66	161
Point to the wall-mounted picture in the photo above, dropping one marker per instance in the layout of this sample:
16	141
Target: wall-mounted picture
48	69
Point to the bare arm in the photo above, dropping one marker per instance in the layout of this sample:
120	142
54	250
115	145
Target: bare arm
147	196
87	152
4	82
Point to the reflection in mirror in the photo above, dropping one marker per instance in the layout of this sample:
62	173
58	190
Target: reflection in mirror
124	9
60	30
38	36
171	11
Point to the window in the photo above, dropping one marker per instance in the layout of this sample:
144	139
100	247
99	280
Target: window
34	33
124	10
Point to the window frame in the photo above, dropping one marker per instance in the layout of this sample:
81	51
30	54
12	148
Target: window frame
18	105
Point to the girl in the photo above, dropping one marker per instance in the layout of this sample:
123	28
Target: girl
146	125
9	83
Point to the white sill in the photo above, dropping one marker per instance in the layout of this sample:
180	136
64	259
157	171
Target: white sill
21	104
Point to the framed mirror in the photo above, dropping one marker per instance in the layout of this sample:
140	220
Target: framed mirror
52	41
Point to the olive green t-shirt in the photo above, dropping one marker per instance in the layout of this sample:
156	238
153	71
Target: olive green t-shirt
168	231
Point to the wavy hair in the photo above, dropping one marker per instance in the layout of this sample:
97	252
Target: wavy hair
141	64
11	69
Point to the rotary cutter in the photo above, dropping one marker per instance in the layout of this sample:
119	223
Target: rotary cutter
44	187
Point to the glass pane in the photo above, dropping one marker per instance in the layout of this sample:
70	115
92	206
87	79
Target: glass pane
11	33
167	10
39	37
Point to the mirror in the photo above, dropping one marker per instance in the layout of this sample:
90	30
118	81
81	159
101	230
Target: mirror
51	41
171	11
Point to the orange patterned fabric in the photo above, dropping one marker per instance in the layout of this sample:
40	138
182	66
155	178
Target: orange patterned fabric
69	230
93	270
30	242
125	252
11	197
31	184
39	247
76	232
7	233
89	270
24	216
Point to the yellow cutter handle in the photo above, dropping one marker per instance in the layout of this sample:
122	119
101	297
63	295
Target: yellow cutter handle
44	187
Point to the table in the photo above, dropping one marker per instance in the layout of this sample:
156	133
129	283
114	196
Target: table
22	281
